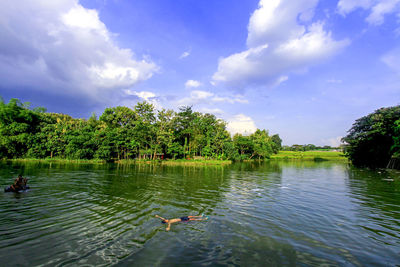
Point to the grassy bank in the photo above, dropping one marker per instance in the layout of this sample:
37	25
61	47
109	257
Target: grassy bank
282	155
177	162
167	162
55	160
311	155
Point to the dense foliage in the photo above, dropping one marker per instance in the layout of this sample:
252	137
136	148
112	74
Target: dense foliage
375	138
308	147
396	140
124	133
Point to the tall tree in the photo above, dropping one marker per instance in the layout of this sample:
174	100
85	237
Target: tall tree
120	123
261	144
123	133
244	145
18	124
164	131
145	129
370	139
183	127
276	143
395	149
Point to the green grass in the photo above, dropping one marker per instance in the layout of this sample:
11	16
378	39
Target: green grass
311	155
168	162
178	162
282	155
57	160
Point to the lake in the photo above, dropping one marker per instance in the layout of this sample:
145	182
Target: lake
276	213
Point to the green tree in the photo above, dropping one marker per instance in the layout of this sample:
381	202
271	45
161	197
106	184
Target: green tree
183	128
116	137
371	138
220	138
163	132
123	133
50	141
395	149
230	151
244	145
262	144
309	147
145	130
18	125
81	142
276	143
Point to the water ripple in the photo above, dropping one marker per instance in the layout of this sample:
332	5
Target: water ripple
260	214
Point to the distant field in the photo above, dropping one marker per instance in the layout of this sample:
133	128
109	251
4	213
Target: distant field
310	155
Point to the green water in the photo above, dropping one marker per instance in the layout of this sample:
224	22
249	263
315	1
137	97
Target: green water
260	214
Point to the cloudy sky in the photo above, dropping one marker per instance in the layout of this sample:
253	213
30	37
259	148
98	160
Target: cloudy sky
304	69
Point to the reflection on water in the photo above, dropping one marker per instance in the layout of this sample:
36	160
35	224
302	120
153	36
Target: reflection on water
376	194
269	214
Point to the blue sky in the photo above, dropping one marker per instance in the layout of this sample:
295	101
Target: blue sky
304	69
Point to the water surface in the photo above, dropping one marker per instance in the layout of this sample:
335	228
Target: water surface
261	214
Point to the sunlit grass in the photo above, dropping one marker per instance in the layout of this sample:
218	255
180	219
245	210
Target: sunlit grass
177	162
311	155
57	160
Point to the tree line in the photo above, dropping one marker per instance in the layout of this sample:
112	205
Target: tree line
308	147
141	132
374	139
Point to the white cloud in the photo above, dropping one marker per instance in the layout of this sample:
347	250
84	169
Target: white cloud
206	97
279	44
334	81
347	6
215	111
230	100
62	47
195	97
280	80
200	94
333	142
275	21
378	8
381	9
148	96
83	18
241	124
192	84
184	55
392	60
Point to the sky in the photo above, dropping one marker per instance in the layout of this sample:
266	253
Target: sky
304	69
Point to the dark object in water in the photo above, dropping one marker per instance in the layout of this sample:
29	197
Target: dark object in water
394	163
9	189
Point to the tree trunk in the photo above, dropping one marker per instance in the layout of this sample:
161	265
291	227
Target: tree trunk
394	163
155	152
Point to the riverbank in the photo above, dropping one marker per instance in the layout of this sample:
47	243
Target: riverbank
282	155
310	155
167	162
55	160
177	162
